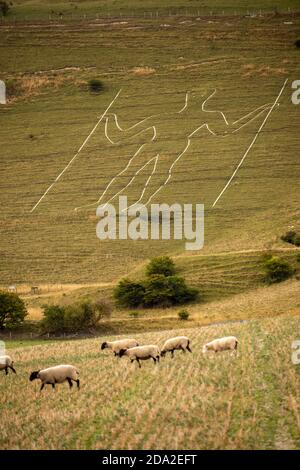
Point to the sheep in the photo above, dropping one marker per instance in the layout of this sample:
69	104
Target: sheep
56	375
6	363
141	353
221	344
117	345
179	342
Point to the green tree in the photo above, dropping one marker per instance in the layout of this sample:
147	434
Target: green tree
161	288
85	315
129	294
53	318
75	317
158	291
182	293
161	265
12	310
164	291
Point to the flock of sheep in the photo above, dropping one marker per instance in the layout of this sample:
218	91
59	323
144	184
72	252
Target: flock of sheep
124	347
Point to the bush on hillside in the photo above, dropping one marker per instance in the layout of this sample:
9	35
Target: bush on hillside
161	265
129	294
4	8
165	291
161	288
95	85
85	315
53	319
12	310
291	237
297	240
158	292
183	315
77	317
155	291
277	269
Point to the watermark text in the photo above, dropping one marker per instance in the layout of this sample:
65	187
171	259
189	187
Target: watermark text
161	222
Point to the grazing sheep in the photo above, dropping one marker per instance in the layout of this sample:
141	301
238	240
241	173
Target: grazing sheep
141	353
6	363
56	375
117	345
221	344
179	342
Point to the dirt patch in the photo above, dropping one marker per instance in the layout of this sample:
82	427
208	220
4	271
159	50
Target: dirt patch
27	86
251	70
143	71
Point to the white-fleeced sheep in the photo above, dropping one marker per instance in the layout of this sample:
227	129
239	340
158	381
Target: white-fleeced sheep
179	342
221	344
119	344
141	353
56	375
6	363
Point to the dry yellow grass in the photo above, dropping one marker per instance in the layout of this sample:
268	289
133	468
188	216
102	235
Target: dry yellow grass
267	301
30	85
143	71
208	402
263	71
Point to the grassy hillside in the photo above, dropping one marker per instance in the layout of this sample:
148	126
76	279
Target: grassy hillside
217	277
167	69
244	402
68	10
246	60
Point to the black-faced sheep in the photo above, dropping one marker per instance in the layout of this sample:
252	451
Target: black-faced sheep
179	342
119	344
142	353
56	375
6	363
221	344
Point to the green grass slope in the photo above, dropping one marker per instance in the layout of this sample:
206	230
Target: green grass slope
246	60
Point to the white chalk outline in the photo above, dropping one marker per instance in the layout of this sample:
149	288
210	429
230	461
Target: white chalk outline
251	144
132	158
78	151
213	111
128	164
261	110
205	125
263	107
